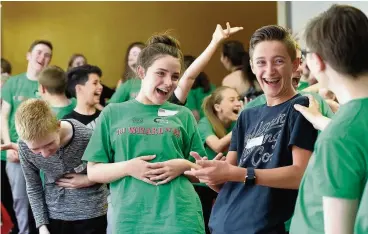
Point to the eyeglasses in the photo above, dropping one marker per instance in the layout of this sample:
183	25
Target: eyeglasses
304	53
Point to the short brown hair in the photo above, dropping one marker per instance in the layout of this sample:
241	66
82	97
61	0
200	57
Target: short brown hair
159	46
53	78
273	33
6	66
35	120
340	36
37	42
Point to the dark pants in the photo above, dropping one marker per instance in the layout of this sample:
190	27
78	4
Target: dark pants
207	197
86	226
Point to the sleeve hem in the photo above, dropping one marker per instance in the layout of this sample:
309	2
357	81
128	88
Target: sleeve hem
336	194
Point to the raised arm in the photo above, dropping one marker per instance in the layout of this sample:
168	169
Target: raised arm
189	76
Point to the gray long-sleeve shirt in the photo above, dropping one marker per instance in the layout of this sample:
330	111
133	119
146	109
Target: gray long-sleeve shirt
57	202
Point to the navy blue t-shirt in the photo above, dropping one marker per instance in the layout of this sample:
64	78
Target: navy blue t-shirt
263	138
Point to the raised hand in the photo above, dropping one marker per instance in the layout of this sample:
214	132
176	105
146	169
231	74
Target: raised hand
221	34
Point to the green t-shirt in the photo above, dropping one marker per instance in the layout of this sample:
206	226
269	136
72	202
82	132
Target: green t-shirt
17	89
127	130
60	112
324	107
195	99
205	130
361	221
126	91
302	85
338	167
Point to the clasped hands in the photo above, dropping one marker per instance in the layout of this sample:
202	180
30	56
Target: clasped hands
211	172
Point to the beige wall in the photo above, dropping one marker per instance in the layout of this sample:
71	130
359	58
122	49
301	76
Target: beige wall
103	30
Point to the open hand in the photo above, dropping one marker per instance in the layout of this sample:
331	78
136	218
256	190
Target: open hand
312	112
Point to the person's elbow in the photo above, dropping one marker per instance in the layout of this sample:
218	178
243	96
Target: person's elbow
217	148
297	177
92	173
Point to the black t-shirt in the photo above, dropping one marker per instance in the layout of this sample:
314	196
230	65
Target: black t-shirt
107	93
263	138
88	120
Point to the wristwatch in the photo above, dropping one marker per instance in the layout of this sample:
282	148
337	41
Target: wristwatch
250	177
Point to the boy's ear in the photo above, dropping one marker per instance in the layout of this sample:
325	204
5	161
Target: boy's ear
296	64
78	88
42	88
28	56
141	72
217	107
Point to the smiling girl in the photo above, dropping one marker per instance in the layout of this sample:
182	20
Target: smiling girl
151	197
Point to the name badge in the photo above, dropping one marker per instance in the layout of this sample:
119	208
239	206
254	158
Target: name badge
254	142
164	113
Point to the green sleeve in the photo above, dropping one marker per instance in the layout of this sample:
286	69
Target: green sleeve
205	129
323	105
302	85
99	148
341	172
260	100
7	91
191	101
122	93
194	143
361	221
74	102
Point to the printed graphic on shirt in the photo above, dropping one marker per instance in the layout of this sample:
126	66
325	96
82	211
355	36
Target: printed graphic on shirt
260	143
148	131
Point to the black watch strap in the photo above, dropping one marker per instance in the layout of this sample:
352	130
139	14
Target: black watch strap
250	178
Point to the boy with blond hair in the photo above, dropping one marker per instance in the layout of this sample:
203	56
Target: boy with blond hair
52	85
56	147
